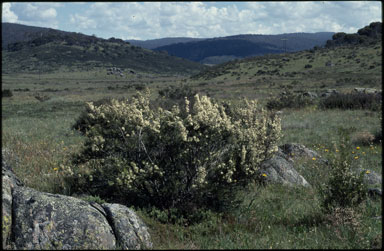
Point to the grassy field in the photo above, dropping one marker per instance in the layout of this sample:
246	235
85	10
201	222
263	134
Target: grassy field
36	131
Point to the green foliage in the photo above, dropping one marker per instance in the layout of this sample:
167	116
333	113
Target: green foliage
96	199
369	101
178	93
289	100
174	96
367	34
345	187
188	158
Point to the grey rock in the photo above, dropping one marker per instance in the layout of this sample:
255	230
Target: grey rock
130	231
279	169
365	90
52	221
370	90
371	178
294	151
9	183
329	92
312	95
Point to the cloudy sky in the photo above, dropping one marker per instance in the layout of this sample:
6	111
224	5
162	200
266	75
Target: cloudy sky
151	20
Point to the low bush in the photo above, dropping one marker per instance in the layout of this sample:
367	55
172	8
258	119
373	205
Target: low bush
345	187
369	101
289	100
6	93
188	158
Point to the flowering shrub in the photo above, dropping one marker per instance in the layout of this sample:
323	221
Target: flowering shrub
345	186
188	157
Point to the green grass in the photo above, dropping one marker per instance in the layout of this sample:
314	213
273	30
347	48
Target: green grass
40	141
274	217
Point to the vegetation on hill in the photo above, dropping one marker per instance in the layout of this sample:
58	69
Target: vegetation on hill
54	50
316	69
369	34
12	33
197	51
222	49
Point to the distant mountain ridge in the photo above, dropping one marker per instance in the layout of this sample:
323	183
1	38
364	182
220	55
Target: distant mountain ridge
154	43
222	49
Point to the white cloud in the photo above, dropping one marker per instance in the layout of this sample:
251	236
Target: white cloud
149	20
41	14
7	14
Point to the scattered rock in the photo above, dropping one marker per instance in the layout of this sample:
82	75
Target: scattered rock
279	169
329	92
365	90
312	95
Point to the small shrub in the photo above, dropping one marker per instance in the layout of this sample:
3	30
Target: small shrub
41	98
188	158
289	100
6	93
345	187
171	96
139	87
378	136
369	101
178	93
362	138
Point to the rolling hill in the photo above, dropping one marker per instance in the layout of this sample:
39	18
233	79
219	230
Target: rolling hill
44	50
223	49
360	55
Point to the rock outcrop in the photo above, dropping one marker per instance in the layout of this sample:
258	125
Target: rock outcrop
38	220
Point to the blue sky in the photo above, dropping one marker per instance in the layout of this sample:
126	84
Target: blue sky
151	20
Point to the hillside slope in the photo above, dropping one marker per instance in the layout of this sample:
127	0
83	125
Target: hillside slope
54	50
13	33
361	56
